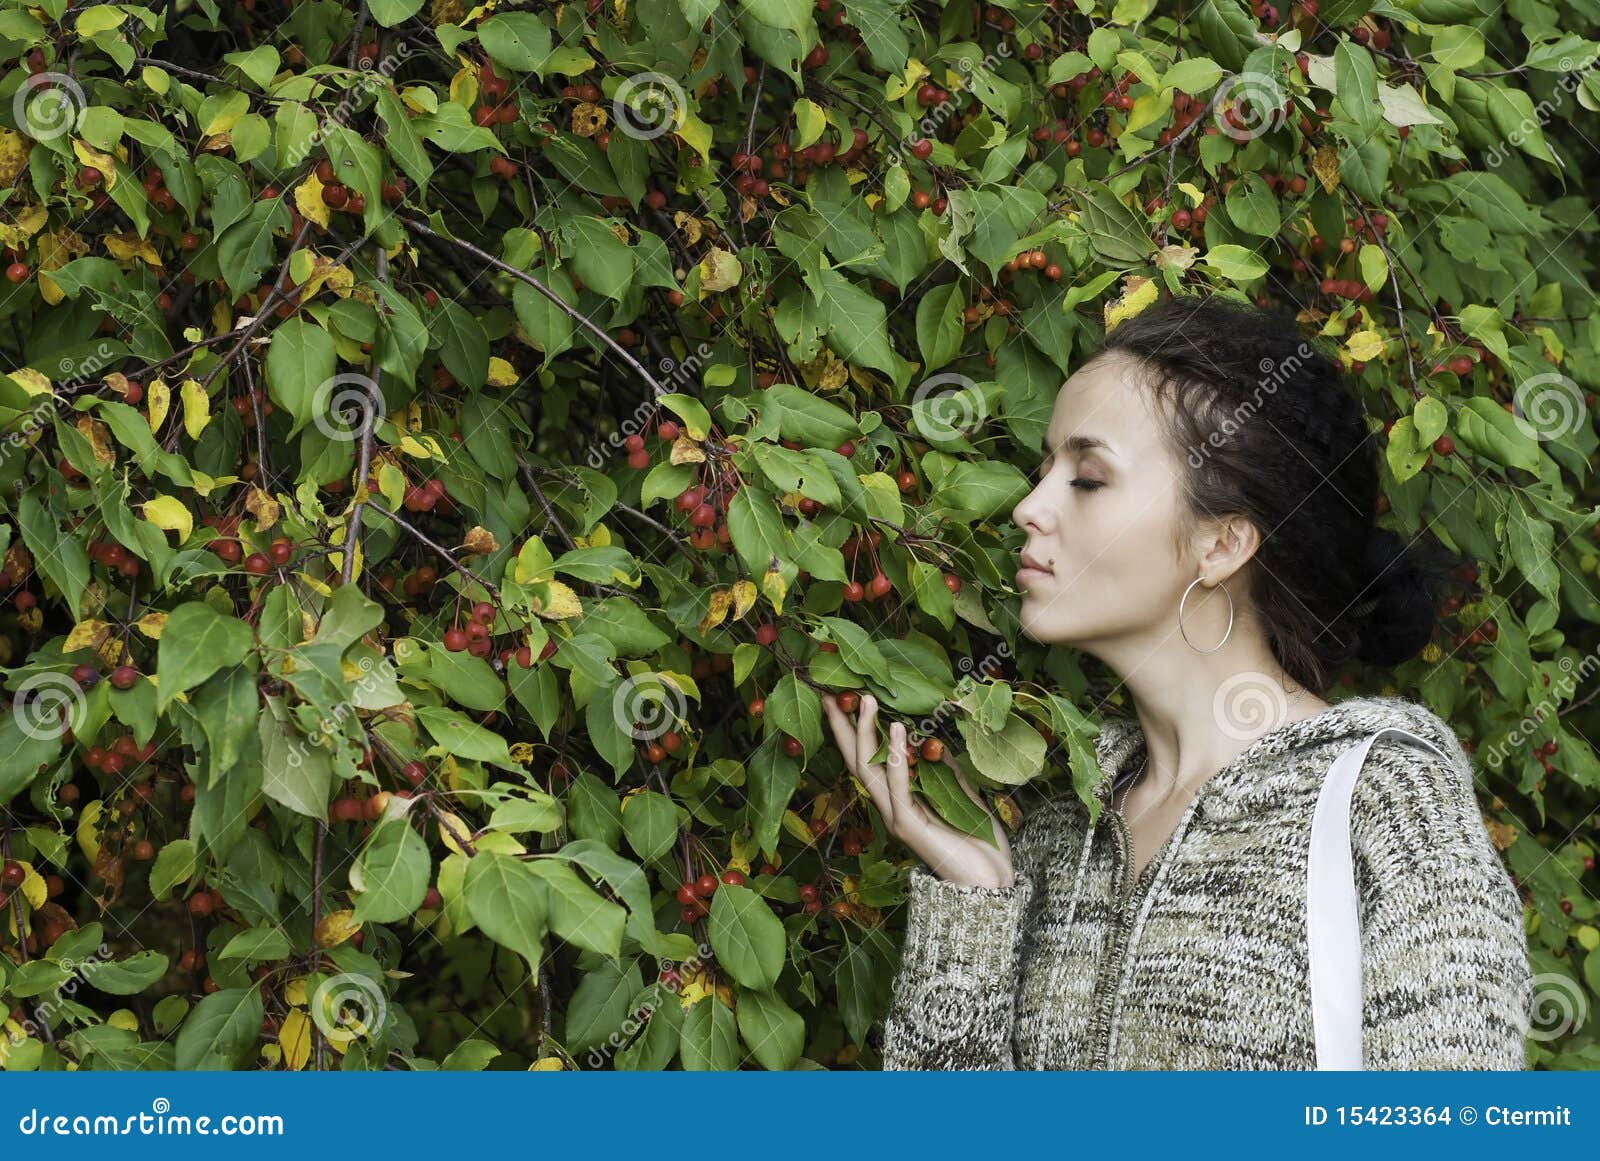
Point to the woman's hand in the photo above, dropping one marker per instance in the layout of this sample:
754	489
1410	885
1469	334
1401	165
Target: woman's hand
953	855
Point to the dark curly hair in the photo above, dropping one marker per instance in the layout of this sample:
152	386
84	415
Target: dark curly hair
1271	431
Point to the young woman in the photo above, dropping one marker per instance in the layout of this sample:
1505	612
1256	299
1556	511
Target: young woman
1203	523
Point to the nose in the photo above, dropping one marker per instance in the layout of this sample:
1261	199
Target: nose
1031	510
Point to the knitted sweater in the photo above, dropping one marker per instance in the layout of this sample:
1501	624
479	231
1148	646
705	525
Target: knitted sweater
1202	963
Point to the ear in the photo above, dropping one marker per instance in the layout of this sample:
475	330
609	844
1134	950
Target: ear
1227	546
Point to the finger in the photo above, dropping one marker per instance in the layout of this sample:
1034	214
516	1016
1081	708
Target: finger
844	734
867	729
899	770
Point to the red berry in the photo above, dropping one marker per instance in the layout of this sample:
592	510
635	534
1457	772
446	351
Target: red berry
124	677
932	749
849	701
668	430
733	876
257	563
455	639
792	747
705	885
687	894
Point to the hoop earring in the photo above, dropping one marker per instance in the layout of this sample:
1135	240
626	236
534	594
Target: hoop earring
1221	584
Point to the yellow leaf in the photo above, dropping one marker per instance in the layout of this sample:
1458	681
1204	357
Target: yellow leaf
294	1037
99	437
151	625
103	18
522	752
721	602
1193	192
546	1064
86	635
449	827
797	828
559	602
14	149
125	246
104	162
1364	345
695	133
479	541
502	373
322	272
392	483
464	87
719	270
31	381
33	885
158	396
308	200
170	515
336	927
1325	164
896	87
89	829
744	598
125	1019
1137	294
414	448
776	588
686	451
263	507
196	407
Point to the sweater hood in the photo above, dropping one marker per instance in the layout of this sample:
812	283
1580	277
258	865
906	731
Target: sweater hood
1272	764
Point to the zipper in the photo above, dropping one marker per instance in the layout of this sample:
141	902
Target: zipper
1115	959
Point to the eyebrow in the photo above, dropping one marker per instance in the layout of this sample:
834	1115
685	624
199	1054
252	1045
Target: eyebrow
1083	443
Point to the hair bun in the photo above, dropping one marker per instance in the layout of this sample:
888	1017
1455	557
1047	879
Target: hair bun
1397	609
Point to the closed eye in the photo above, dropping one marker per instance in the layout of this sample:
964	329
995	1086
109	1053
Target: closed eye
1088	485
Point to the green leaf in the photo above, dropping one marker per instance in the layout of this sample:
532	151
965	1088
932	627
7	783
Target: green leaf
1013	756
939	325
125	977
578	913
509	902
174	864
1357	79
794	708
518	40
258	944
774	1032
389	13
294	773
709	1038
980	490
650	822
747	937
391	874
223	1031
1235	263
197	642
300	365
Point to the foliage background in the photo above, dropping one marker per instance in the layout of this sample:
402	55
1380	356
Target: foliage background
329	321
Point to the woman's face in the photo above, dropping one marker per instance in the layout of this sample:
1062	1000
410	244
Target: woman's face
1098	564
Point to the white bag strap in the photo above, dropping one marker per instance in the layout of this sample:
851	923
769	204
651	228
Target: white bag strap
1332	919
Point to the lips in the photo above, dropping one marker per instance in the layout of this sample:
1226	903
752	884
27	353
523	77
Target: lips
1032	569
